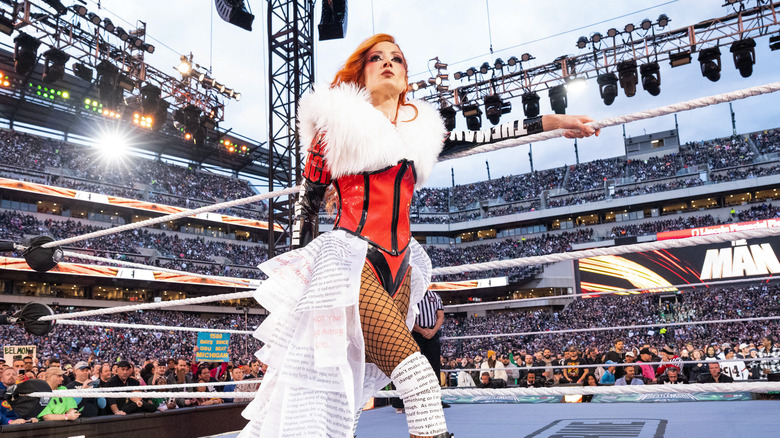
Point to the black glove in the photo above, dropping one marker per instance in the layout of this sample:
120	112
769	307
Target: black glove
307	211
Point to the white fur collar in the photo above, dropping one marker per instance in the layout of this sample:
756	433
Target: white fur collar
361	139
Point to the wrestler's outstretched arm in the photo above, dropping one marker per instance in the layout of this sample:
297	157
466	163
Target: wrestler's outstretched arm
316	178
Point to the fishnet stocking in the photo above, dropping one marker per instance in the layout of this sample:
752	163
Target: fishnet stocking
383	321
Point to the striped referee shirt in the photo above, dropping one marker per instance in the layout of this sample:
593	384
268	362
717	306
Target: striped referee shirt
428	306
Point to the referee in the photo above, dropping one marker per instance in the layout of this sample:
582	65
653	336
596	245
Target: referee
427	330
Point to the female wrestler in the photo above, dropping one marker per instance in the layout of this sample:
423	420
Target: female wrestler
341	306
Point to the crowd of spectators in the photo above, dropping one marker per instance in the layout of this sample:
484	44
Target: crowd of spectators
744	173
591	175
75	357
767	142
719	153
664	225
758	212
635	190
710	341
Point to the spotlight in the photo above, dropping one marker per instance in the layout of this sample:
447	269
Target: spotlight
629	28
457	75
663	20
512	61
596	37
530	104
109	25
235	12
495	107
651	78
448	114
79	10
57	5
187	118
333	21
54	65
25	53
471	71
646	24
582	42
6	25
121	33
126	83
149	48
108	76
136	42
558	99
608	87
679	58
525	57
473	116
612	33
160	115
628	77
414	86
184	66
82	72
484	68
93	17
744	56
710	63
237	96
440	65
498	64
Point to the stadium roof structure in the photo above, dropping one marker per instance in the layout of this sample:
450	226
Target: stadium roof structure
60	107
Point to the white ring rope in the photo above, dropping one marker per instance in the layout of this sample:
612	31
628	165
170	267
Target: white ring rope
628	118
753	387
602	329
444	338
174	216
613	250
163	328
147	306
757	387
173	386
240	282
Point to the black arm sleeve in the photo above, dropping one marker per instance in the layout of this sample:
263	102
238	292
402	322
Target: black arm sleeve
307	212
458	141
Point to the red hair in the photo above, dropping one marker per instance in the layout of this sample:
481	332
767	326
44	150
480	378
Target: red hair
352	71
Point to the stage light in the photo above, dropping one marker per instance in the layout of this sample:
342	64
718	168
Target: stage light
495	107
149	48
530	104
574	86
558	99
628	77
57	5
112	146
150	98
646	24
160	115
744	56
457	75
82	72
651	78
612	33
582	42
498	64
629	28
414	86
596	37
679	58
220	88
440	65
434	81
512	61
135	42
471	72
663	20
237	96
126	83
484	68
93	17
54	65
108	76
109	25
608	87
710	63
184	66
525	57
774	43
420	84
6	25
473	116
448	115
25	53
333	20
79	10
121	33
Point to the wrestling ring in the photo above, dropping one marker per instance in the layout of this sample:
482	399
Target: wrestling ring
644	411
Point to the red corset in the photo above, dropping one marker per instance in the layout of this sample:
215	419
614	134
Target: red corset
375	206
